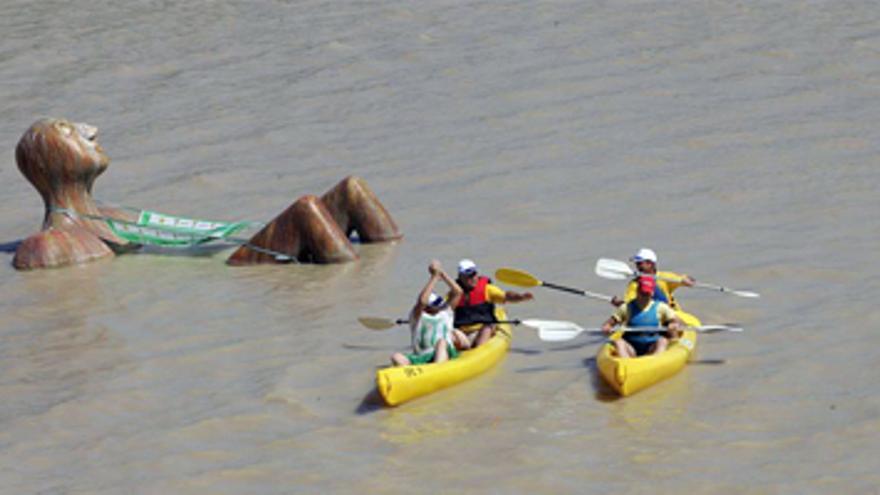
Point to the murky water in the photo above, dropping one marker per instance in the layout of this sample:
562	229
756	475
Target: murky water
738	139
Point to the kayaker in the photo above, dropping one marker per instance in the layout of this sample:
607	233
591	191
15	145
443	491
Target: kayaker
431	323
645	261
646	312
475	313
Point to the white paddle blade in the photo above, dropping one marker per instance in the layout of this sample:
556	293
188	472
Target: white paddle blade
557	334
556	324
746	293
555	331
613	269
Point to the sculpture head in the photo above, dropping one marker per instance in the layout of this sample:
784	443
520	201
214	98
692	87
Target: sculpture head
56	153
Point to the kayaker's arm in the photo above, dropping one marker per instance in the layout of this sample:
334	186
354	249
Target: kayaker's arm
425	295
676	280
612	322
671	320
609	325
455	290
620	315
673	329
511	296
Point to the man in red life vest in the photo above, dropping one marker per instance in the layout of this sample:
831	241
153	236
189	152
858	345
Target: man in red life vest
475	313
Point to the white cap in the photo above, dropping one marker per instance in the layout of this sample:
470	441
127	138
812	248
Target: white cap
435	300
466	265
644	254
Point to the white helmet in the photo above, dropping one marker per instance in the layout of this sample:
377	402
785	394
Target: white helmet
644	254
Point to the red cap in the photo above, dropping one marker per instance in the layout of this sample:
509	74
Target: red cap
647	284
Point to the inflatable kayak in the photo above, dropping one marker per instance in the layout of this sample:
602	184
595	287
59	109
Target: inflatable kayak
629	375
398	384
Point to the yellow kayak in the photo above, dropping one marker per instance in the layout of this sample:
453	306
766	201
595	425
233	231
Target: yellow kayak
398	384
629	375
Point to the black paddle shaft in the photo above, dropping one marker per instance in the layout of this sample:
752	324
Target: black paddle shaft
510	322
564	288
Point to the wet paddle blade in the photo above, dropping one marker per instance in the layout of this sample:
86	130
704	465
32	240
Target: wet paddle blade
613	269
374	323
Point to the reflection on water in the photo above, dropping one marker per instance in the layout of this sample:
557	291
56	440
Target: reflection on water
433	416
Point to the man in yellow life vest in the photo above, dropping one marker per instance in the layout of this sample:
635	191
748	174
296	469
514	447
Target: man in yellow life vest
645	261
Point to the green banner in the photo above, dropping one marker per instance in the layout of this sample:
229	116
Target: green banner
159	229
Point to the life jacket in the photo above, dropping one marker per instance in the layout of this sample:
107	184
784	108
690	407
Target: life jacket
638	317
660	294
474	307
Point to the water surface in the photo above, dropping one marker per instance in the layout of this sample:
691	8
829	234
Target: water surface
739	140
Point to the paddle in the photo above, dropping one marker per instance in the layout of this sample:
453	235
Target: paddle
561	334
523	278
619	270
591	363
375	323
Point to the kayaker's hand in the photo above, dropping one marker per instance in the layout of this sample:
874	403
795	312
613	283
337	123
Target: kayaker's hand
688	281
434	268
607	329
616	301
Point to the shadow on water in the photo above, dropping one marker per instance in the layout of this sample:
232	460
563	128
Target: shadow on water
527	352
371	403
580	345
708	361
603	391
10	247
536	369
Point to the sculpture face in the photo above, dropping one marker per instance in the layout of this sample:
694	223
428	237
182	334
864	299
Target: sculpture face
55	151
83	138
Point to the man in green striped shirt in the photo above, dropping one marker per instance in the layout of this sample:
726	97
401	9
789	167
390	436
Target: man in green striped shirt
431	323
